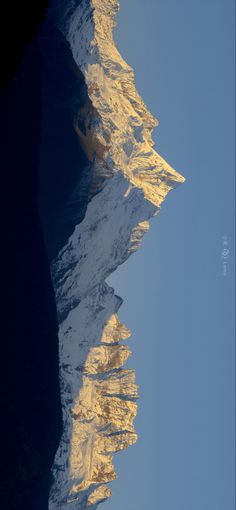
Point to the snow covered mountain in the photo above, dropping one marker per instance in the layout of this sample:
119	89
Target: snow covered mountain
128	184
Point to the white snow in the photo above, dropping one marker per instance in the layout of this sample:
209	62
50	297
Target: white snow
130	182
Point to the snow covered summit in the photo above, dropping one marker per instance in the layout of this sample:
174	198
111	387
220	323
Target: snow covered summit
129	182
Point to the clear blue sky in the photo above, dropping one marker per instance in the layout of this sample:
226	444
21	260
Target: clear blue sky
177	302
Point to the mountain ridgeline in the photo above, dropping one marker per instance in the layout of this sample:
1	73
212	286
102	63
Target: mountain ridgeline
128	181
86	180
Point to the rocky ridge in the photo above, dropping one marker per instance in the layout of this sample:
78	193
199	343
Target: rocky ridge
130	181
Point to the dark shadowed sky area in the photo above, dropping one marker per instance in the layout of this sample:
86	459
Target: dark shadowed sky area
178	290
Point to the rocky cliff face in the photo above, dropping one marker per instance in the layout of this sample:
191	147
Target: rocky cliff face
128	182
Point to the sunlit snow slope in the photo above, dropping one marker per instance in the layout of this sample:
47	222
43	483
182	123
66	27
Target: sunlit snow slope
129	183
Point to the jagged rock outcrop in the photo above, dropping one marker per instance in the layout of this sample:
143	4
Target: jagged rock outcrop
129	181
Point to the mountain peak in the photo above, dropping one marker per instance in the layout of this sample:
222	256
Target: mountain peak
129	182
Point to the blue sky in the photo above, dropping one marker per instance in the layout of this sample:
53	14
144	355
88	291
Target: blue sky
177	301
